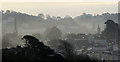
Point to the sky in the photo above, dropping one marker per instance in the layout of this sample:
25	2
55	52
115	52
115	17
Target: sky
61	7
59	0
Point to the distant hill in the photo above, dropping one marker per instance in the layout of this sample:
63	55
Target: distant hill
85	23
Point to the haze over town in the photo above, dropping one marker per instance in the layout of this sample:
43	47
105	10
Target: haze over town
60	31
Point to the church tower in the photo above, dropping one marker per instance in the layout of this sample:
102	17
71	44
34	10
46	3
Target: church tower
15	27
98	30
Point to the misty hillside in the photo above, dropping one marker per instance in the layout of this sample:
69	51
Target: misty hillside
85	23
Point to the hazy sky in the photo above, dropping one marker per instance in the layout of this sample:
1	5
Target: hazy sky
59	0
62	8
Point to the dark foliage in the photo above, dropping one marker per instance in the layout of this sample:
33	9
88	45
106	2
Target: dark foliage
111	30
35	51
